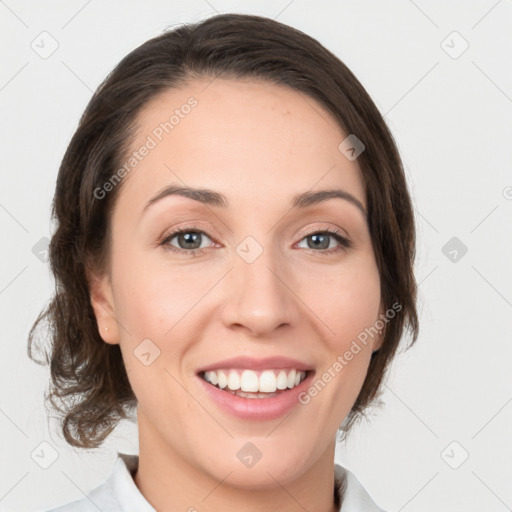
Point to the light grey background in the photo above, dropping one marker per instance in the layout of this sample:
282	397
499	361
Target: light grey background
451	115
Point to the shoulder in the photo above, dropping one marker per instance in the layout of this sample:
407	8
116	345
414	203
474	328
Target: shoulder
117	494
351	492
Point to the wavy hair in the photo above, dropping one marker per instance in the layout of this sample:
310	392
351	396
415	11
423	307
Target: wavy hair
89	385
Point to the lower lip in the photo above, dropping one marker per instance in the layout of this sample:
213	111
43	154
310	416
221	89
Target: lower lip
257	408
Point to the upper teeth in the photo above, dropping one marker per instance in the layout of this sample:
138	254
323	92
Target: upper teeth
267	382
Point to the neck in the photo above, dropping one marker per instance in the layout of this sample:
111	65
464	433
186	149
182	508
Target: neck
171	484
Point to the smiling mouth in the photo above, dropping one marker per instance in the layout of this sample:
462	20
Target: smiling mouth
255	384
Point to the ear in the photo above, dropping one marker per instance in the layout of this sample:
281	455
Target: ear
102	302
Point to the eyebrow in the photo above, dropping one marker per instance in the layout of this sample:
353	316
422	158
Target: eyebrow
213	198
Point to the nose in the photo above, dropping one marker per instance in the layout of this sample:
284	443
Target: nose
259	296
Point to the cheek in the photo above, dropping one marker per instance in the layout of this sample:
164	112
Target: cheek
346	300
162	303
154	308
153	294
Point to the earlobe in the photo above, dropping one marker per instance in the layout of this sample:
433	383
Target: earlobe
102	302
378	343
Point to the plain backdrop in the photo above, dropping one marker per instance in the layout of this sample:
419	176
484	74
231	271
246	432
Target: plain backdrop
440	74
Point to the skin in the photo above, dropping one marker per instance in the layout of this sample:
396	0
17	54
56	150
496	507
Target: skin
259	144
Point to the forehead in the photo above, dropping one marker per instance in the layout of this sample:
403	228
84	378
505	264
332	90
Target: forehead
256	142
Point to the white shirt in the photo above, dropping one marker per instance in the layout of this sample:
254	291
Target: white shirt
120	494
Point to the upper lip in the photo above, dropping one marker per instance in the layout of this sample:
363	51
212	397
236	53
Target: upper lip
253	363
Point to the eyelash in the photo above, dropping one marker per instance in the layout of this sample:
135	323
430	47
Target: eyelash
344	242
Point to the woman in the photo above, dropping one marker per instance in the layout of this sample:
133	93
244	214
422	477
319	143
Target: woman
234	258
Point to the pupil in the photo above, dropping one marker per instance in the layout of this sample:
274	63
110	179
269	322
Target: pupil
188	238
323	245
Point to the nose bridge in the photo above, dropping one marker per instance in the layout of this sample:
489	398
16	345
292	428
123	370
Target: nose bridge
258	297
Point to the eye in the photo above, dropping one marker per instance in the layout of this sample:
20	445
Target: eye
321	240
188	239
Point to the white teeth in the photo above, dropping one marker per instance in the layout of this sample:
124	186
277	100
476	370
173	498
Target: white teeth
282	380
268	381
233	380
291	379
213	378
222	378
248	381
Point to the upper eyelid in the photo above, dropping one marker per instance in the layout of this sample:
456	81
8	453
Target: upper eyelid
327	229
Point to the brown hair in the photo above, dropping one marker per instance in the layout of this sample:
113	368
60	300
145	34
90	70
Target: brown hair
88	375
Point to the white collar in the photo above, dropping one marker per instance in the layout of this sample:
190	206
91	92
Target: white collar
120	494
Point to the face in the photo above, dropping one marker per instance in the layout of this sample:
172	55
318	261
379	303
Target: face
252	277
